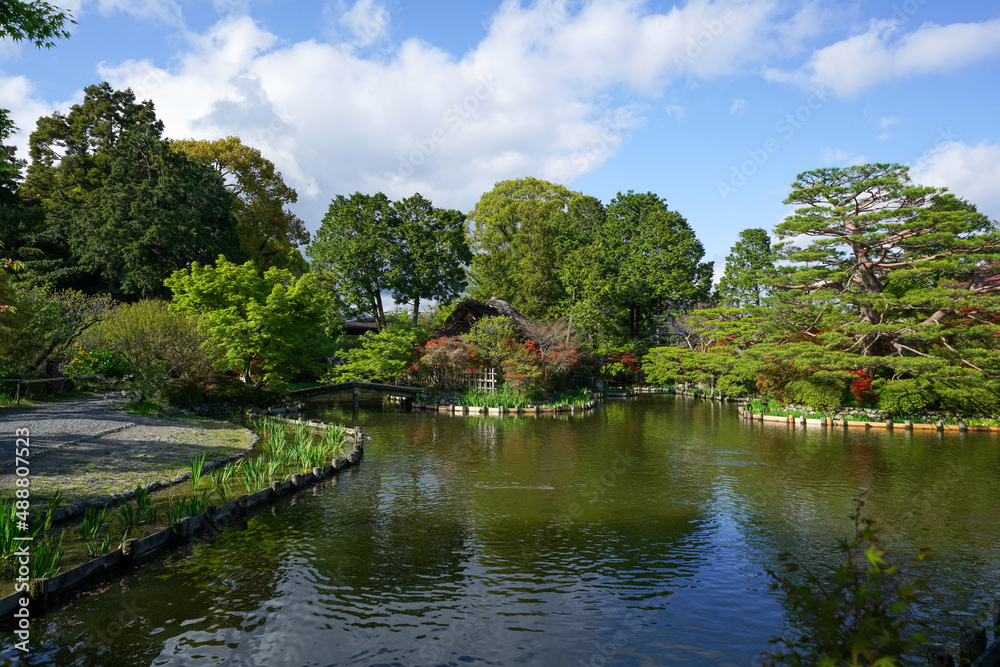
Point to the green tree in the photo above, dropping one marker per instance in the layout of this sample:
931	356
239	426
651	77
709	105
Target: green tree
383	357
156	212
72	158
265	327
518	232
353	251
38	22
749	269
901	276
268	232
430	253
650	259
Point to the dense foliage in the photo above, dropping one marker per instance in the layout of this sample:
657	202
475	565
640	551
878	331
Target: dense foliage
893	303
265	328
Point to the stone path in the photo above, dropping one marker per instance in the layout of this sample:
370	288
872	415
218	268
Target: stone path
90	446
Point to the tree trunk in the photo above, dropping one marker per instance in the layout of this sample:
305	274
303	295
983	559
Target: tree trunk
380	313
416	309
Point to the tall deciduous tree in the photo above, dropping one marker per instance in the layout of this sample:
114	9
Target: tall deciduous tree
268	231
654	259
353	251
517	230
430	253
749	269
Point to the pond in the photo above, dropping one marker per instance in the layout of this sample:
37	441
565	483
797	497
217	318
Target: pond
639	534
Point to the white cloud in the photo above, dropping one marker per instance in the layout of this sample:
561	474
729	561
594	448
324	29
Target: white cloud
738	106
675	111
25	108
888	121
166	11
367	21
532	98
842	158
971	172
880	54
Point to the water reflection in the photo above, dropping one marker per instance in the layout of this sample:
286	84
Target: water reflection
639	534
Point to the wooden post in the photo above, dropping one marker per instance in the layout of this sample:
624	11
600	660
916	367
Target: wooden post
971	642
938	657
357	395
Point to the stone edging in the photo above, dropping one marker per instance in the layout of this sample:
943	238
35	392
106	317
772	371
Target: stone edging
209	524
888	424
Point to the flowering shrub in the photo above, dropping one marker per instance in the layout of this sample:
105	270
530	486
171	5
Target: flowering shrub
444	362
861	387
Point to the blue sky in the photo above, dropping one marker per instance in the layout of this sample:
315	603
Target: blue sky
715	105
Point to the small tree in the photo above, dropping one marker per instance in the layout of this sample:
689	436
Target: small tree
267	328
749	268
383	357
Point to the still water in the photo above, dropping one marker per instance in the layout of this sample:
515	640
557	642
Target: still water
640	534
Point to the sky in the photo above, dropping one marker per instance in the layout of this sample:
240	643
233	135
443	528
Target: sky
714	105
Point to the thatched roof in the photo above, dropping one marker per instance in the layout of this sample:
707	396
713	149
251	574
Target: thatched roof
469	311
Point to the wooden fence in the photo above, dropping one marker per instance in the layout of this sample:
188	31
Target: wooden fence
485	381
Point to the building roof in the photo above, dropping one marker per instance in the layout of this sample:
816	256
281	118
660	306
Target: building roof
469	311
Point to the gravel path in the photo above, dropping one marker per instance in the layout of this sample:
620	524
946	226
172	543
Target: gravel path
54	425
90	446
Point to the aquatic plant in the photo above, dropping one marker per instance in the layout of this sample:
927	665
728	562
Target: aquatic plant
197	469
93	522
47	559
144	505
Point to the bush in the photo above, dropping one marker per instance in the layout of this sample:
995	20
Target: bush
158	345
621	368
385	356
904	397
446	362
523	372
99	360
821	390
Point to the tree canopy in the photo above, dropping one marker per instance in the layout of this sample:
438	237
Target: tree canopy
40	23
896	291
368	244
749	269
268	232
430	253
122	209
265	327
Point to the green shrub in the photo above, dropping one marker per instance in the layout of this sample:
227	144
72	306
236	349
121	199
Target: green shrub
904	397
817	391
383	357
101	360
